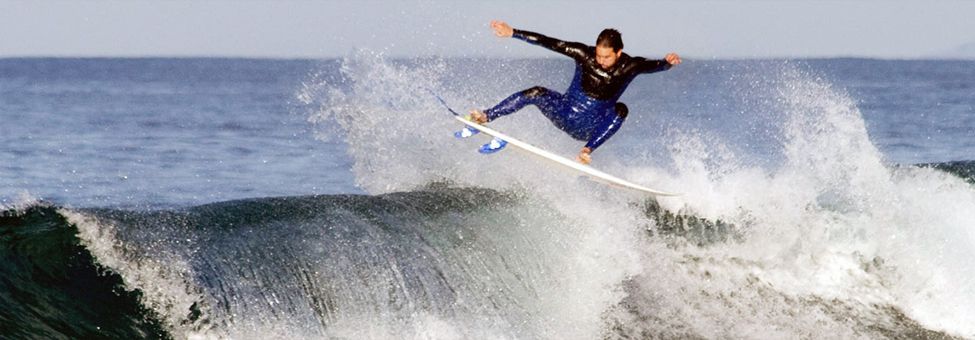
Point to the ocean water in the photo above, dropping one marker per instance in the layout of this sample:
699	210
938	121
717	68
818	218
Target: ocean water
254	199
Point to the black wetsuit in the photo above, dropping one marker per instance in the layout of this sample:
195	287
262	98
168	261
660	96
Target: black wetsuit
588	110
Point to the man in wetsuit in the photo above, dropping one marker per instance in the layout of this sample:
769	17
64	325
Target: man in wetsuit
588	110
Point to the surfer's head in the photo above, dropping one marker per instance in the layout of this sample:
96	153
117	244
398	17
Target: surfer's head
609	46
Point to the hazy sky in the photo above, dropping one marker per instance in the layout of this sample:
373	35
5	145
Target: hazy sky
701	29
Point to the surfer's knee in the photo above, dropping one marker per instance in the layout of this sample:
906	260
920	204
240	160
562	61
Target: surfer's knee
534	92
622	110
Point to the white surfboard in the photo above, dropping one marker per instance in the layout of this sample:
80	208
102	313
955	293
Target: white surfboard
593	173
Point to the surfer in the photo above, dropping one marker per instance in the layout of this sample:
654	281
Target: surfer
588	110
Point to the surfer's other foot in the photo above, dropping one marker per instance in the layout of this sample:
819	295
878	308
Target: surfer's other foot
478	116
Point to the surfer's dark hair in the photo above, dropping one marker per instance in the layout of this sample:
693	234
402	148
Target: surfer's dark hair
610	38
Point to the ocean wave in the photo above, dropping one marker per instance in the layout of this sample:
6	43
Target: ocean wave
52	287
963	169
437	262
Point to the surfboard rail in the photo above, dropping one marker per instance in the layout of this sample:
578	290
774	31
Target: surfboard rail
588	170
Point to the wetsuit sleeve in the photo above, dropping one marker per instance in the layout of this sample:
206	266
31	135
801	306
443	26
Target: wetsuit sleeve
574	50
607	128
644	65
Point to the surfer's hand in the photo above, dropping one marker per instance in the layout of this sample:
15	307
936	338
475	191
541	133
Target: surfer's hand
584	156
502	29
673	59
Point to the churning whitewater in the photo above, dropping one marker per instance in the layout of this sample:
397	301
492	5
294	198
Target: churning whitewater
831	239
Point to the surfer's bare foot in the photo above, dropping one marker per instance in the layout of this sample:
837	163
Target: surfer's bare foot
478	117
585	156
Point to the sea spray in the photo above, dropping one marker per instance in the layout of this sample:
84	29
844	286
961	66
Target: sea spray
595	248
833	239
820	231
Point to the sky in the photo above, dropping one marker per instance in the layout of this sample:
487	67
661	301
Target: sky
893	29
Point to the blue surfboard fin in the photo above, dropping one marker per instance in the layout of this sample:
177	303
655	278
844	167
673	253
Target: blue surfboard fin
496	144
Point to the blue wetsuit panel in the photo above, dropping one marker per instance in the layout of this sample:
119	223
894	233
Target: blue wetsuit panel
581	116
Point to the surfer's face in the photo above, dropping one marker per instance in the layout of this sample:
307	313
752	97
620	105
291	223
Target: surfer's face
606	57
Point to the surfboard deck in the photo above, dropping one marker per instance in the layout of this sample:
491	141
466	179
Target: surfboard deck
585	169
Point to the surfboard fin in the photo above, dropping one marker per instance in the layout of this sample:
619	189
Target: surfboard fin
495	145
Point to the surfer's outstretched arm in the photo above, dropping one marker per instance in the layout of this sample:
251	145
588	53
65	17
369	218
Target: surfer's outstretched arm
650	65
643	65
572	49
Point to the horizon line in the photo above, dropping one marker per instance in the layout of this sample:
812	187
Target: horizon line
404	57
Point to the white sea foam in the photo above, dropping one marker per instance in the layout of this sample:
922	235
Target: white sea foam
402	139
164	281
23	201
832	223
831	236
